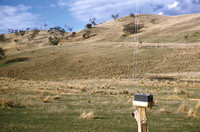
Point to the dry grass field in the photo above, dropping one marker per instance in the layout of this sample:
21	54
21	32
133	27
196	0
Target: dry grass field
87	84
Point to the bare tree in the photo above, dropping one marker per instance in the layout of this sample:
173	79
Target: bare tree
70	28
132	15
16	32
62	32
27	29
93	21
45	25
115	16
22	32
10	31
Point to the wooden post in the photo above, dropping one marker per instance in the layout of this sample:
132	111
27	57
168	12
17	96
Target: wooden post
142	102
141	118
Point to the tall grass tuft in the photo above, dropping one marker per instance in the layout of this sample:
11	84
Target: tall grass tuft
46	100
192	113
89	115
182	108
198	106
6	104
56	97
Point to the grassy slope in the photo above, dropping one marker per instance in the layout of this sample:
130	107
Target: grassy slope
100	60
104	56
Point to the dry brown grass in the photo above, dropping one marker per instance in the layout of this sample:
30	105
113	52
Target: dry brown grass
89	101
187	94
198	106
83	89
2	90
89	115
164	110
192	113
6	104
182	108
57	97
42	94
46	100
130	101
176	90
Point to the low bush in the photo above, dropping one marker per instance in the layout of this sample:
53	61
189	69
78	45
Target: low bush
131	28
2	54
86	34
6	104
2	38
54	41
132	15
89	26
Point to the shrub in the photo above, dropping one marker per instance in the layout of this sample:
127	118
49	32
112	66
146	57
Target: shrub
54	41
55	31
34	34
62	32
2	38
86	34
22	33
132	15
73	34
131	29
2	54
6	104
89	26
16	32
16	41
36	31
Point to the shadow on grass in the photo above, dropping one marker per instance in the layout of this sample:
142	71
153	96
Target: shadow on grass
98	118
11	61
16	60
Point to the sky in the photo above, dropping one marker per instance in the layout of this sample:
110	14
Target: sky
20	14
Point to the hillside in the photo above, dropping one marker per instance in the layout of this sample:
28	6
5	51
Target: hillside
107	53
86	84
157	29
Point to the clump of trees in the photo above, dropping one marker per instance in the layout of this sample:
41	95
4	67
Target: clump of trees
33	34
22	33
56	31
92	22
132	28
